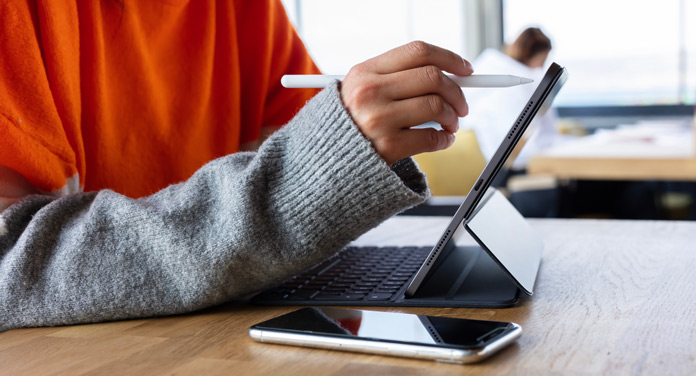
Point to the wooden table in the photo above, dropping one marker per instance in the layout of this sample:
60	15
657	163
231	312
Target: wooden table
612	297
620	156
608	168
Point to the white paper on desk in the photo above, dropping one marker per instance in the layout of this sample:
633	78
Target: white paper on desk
642	140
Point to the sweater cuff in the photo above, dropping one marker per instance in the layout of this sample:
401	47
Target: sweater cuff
412	177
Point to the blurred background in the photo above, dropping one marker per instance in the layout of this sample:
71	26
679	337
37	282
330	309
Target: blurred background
619	140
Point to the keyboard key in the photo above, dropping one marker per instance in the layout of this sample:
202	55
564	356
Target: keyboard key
337	290
398	279
381	269
341	284
372	259
352	297
303	294
363	289
346	280
331	274
390	263
402	274
372	279
327	296
392	283
380	296
353	276
360	269
391	290
367	284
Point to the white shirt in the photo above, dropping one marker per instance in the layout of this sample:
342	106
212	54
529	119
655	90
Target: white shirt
492	111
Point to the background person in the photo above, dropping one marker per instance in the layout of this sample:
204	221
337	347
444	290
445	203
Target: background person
494	111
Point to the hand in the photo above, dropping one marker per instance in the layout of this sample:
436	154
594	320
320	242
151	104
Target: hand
13	187
402	88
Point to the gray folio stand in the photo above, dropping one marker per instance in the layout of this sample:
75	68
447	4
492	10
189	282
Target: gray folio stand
492	273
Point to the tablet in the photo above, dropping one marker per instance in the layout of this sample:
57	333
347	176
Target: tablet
511	145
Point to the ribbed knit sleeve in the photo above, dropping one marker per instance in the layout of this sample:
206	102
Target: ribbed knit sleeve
240	224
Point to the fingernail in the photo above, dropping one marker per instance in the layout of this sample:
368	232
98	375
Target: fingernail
468	65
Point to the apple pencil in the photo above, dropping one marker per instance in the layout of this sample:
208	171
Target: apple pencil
297	81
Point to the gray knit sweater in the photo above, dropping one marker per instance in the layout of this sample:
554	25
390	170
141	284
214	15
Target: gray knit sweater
240	224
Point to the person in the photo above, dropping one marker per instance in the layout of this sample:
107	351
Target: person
131	183
530	48
495	110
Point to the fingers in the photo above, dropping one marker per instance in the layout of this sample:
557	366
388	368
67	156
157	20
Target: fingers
402	88
418	54
423	81
429	108
415	141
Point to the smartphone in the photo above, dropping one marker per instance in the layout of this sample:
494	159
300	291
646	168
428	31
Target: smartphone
388	333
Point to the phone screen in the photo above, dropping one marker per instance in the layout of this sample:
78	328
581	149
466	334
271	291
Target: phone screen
390	326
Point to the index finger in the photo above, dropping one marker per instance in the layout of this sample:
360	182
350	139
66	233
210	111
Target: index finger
418	54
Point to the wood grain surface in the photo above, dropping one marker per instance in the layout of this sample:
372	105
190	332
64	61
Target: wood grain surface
612	297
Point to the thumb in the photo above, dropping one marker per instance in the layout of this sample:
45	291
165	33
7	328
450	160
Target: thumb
416	141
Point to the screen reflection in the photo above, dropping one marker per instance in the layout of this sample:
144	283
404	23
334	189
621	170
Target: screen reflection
389	326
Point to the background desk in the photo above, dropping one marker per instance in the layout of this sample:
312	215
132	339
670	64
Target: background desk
612	297
621	155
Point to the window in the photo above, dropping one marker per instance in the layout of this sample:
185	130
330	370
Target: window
342	33
618	52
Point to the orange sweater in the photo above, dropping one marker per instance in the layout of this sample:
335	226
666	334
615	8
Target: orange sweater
94	95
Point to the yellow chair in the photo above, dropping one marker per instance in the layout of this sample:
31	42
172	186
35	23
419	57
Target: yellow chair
452	172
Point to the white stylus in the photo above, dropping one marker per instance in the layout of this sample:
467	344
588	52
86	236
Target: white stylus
296	81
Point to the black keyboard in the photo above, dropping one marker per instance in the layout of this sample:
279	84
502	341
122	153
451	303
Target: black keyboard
359	275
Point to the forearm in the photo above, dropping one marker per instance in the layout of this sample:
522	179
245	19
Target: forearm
241	223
